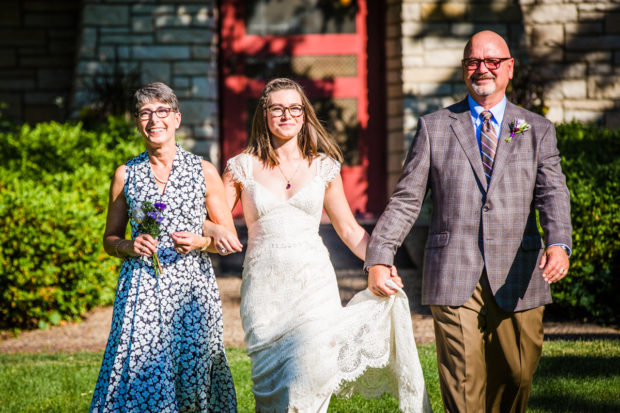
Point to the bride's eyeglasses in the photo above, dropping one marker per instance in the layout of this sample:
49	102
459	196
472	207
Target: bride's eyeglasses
277	110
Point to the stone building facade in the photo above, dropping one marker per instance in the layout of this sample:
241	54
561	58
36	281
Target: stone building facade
567	52
37	58
52	52
174	42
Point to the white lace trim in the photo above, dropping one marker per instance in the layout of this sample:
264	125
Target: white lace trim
328	168
396	368
379	356
240	167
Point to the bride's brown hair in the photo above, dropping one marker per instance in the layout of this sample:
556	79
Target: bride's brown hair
312	137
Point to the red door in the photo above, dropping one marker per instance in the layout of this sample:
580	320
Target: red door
324	46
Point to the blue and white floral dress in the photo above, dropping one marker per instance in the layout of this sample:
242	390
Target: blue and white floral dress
165	352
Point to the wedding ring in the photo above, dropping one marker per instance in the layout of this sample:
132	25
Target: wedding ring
561	270
223	250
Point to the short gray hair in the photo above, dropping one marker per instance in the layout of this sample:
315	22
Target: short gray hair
156	91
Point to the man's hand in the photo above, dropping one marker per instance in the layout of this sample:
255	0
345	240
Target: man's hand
554	263
378	275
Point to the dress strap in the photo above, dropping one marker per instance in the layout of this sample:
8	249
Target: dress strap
240	168
328	168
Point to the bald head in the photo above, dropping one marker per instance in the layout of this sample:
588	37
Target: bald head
487	40
487	68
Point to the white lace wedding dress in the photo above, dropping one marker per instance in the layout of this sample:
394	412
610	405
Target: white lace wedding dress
303	344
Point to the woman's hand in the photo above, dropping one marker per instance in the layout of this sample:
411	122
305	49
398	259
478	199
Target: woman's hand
144	244
224	240
395	277
184	242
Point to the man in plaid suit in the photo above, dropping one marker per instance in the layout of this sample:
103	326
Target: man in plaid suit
486	270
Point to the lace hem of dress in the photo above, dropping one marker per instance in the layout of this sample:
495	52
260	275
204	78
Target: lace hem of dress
376	364
398	370
376	379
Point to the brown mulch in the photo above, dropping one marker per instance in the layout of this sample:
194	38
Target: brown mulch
91	334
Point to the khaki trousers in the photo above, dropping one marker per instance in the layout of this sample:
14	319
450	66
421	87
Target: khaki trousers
486	356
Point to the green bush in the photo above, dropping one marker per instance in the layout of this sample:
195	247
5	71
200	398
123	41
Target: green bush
591	163
54	148
54	181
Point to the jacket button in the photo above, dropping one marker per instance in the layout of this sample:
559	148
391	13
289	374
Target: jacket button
485	208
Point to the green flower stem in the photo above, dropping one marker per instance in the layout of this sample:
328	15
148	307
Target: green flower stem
156	264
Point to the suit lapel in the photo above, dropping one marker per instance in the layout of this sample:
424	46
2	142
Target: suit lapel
504	149
464	132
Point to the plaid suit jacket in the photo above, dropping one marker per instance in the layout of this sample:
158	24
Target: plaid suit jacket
475	226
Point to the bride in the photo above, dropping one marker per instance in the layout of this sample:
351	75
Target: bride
303	344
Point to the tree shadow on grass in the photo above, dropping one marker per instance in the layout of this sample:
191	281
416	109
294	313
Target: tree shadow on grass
582	336
578	367
570	404
576	384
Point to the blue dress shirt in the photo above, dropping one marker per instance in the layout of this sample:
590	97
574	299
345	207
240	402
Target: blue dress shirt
496	121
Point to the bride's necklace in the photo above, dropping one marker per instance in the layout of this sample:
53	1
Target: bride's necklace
288	180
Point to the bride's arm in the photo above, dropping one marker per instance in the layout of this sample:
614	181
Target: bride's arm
345	224
219	226
232	188
339	212
221	236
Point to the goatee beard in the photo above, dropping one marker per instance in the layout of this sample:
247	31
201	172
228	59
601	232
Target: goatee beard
483	90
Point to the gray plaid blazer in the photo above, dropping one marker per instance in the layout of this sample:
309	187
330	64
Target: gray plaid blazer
475	227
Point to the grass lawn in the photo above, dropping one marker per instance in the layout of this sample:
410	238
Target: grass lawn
572	377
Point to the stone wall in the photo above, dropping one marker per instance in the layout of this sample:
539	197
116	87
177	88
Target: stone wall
171	41
577	46
427	37
568	50
37	56
395	92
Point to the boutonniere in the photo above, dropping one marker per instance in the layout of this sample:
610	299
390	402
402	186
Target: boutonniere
517	126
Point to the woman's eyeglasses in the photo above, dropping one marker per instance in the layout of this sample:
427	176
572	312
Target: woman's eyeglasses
277	110
145	114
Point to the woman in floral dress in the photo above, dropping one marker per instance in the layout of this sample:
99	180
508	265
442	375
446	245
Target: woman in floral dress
165	351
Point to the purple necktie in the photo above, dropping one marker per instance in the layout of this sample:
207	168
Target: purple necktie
488	143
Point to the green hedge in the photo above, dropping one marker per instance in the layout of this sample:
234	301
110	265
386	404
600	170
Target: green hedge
591	163
54	181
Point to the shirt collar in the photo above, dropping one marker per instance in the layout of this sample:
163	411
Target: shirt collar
498	110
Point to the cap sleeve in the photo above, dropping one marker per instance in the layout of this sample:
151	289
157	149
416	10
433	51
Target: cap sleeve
328	168
238	167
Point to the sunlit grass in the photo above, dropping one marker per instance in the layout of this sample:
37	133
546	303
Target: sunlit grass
573	376
47	382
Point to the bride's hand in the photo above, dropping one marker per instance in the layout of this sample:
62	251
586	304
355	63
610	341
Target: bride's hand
395	277
225	241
